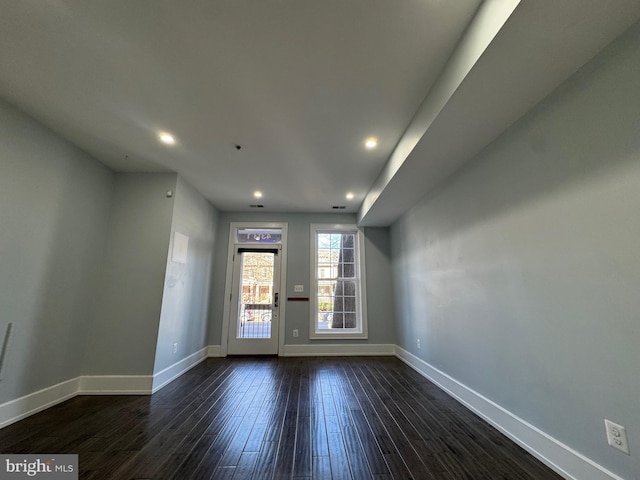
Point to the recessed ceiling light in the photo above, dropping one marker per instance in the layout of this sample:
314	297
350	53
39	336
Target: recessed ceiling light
350	196
167	138
371	142
257	194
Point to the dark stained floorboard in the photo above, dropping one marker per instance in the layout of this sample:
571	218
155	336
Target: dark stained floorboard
279	418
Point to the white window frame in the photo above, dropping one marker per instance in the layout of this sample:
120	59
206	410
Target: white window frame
361	301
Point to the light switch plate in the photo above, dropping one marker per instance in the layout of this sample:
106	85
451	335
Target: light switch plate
298	288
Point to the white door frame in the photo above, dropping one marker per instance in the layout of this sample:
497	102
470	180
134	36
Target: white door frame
228	289
250	345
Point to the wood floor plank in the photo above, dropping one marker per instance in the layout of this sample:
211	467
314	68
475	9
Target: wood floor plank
254	442
459	428
266	461
370	413
371	449
397	467
285	455
210	460
322	468
338	457
279	418
319	442
223	473
357	461
302	466
245	467
152	457
286	446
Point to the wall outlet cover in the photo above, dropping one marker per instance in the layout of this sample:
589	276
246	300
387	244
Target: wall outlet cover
617	436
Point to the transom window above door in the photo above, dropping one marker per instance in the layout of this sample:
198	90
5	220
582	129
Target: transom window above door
259	235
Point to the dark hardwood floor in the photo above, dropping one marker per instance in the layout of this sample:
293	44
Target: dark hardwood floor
294	418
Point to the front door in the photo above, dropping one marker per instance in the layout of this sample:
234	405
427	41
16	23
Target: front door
255	301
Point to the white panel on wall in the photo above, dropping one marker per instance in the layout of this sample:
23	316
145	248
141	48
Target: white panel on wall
180	248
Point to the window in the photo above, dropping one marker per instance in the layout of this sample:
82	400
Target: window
338	307
258	235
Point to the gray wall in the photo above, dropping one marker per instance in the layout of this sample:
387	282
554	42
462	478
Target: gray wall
83	257
54	205
380	307
520	275
124	333
187	288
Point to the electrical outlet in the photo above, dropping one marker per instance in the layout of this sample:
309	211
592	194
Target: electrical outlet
296	333
418	342
174	349
617	436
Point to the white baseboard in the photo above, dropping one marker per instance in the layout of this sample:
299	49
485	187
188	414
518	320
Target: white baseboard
214	351
15	410
23	407
172	372
115	385
558	456
338	350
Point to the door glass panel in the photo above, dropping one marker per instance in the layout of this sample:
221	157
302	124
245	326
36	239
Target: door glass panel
256	295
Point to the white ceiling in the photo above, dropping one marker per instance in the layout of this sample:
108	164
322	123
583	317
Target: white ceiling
299	84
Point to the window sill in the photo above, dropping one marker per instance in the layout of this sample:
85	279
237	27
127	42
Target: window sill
338	336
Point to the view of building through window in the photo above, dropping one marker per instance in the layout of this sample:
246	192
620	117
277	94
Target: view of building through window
336	280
